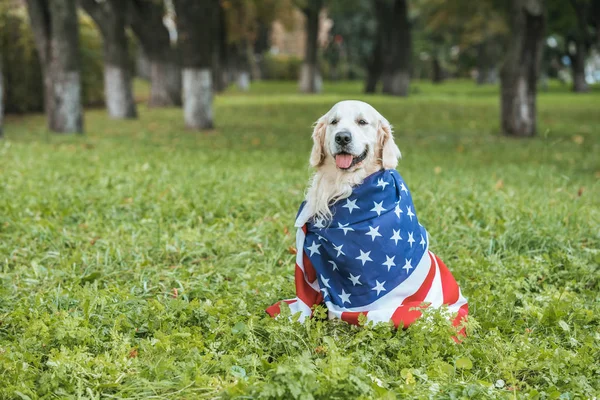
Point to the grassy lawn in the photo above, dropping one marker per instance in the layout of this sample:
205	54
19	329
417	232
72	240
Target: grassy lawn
137	261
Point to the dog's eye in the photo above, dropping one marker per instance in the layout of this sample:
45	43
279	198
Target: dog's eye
362	122
334	122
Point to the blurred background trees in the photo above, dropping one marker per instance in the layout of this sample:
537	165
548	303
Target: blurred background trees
194	49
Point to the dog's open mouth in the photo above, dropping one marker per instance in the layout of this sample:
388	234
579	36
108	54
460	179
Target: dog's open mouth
346	160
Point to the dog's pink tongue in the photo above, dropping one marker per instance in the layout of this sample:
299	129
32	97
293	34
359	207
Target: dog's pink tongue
343	160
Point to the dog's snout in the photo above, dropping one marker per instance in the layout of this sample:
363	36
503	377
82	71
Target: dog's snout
343	138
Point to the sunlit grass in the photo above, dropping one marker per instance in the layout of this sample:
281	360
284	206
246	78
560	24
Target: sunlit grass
137	260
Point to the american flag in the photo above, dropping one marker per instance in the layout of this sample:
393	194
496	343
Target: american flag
372	258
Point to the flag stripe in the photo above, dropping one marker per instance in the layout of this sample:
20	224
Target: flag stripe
449	285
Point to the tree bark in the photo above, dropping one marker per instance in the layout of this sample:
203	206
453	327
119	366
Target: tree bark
437	75
146	21
56	34
521	68
578	66
220	66
310	78
375	63
110	16
397	46
1	99
194	20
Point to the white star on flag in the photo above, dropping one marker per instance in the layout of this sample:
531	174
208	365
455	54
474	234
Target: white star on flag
378	208
325	281
354	280
411	240
351	205
379	287
409	213
381	183
364	257
422	242
345	297
373	232
319	223
345	227
389	262
314	248
396	236
407	266
339	250
398	211
334	265
403	188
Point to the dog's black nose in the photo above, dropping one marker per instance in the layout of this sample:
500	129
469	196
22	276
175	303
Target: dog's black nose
343	137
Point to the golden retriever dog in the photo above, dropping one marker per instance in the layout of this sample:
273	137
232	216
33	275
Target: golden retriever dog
361	248
351	142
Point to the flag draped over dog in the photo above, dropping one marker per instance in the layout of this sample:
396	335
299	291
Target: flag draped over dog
372	258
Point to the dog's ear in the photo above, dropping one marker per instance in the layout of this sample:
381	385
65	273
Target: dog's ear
317	156
390	153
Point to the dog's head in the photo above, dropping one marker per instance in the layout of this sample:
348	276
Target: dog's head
353	135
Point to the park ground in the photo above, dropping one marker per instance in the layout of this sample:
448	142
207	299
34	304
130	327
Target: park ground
137	261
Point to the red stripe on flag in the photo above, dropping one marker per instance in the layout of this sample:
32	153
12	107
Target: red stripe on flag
449	285
275	309
406	314
309	270
352	316
420	294
463	311
304	291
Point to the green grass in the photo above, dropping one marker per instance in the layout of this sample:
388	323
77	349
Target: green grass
136	262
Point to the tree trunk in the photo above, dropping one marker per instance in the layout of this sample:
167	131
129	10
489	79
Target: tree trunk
397	47
110	16
375	64
1	99
437	75
310	78
194	19
220	66
578	66
521	68
56	35
146	20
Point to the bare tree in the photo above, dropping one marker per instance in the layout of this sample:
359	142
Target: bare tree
195	25
56	35
521	67
110	16
310	78
146	21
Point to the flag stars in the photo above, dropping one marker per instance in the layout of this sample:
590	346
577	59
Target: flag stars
410	240
396	236
407	265
314	248
389	262
325	282
345	297
378	208
409	212
403	188
333	265
339	250
373	232
398	211
351	205
345	227
381	183
354	280
319	223
364	257
379	287
422	242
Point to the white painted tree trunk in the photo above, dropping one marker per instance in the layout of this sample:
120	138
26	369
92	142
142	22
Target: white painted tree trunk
66	108
118	93
197	98
166	84
310	79
400	83
243	80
